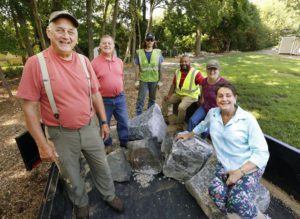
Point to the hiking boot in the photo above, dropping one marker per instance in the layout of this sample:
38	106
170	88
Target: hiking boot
116	204
82	212
109	149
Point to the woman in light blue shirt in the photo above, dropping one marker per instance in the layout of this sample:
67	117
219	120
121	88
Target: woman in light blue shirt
242	152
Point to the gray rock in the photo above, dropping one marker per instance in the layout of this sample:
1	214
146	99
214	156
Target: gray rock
119	166
147	125
186	158
166	145
262	198
144	156
198	185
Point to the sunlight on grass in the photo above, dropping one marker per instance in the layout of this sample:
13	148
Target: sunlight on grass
272	83
269	88
256	114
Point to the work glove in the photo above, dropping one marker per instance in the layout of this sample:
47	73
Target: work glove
159	84
137	84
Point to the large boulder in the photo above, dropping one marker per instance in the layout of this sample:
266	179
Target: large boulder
186	158
144	156
119	166
198	185
149	124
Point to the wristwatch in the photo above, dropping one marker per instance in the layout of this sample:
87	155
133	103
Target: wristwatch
103	122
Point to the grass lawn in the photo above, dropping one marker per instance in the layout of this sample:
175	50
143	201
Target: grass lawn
269	87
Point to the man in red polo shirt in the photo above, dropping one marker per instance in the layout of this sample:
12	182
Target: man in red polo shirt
74	130
109	71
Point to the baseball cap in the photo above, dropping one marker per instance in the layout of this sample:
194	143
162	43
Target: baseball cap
63	14
150	36
212	64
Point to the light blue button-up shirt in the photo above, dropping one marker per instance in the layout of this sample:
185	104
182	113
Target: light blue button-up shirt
237	142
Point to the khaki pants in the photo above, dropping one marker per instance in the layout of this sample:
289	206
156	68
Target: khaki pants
69	144
184	103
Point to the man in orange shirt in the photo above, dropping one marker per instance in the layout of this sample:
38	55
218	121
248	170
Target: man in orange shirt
73	130
109	71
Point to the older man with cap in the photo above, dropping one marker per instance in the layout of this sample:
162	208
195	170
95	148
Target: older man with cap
208	95
73	129
147	72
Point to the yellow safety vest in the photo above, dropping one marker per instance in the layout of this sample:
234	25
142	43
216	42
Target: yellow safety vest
149	71
189	87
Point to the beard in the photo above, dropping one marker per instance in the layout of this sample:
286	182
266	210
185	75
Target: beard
184	67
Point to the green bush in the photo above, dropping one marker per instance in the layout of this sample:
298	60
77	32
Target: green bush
13	72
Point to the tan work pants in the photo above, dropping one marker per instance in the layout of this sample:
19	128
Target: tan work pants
184	103
69	144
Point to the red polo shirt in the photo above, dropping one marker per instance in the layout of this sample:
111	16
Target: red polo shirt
110	75
69	86
198	79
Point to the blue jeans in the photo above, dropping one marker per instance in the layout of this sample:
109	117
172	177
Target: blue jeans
143	89
196	118
117	106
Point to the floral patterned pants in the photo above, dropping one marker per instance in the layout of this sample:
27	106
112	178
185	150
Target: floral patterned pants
238	198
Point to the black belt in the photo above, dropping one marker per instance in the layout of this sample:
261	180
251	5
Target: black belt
120	94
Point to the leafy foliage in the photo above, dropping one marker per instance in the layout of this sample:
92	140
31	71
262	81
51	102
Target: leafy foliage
221	25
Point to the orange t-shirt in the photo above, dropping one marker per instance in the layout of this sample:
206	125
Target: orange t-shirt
69	86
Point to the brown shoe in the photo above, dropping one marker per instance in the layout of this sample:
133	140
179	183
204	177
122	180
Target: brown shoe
109	149
82	212
116	204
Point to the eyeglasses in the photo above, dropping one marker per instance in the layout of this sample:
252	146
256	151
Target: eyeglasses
150	40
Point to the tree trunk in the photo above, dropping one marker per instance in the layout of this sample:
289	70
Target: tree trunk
24	32
144	9
133	30
133	45
20	41
38	24
139	33
228	42
127	53
114	21
4	83
149	26
104	18
198	42
89	10
138	23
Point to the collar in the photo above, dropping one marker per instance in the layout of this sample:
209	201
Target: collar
52	51
240	114
103	57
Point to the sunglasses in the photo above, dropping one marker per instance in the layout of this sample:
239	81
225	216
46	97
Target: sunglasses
150	40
